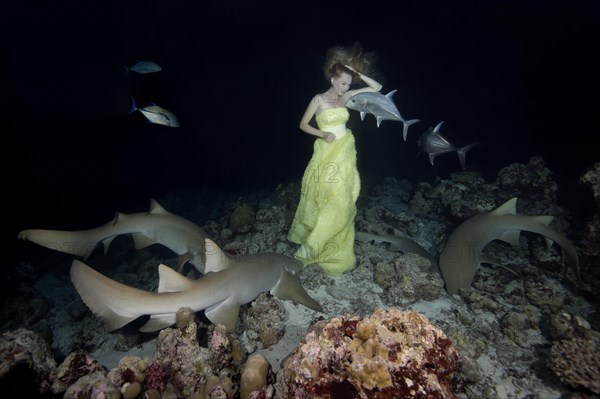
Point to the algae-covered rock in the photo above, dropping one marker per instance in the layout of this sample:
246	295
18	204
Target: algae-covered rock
391	353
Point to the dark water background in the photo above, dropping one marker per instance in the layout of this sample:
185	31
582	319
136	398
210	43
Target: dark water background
519	77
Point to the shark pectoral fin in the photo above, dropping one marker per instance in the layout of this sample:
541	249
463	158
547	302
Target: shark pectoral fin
288	288
225	313
171	281
141	240
158	322
511	237
484	258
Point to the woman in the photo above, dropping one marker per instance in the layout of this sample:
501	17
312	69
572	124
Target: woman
324	220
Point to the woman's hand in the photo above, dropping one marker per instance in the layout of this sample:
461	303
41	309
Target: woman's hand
328	137
350	68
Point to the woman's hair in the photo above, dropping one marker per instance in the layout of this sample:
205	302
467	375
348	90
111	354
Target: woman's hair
338	56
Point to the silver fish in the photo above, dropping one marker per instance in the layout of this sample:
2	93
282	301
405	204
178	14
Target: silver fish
156	114
143	67
434	144
381	106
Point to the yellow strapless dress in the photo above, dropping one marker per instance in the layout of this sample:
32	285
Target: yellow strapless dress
324	220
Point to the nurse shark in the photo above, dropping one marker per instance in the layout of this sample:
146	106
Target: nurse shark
229	282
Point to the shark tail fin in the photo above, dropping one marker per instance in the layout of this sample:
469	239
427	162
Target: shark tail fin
406	125
69	242
110	300
462	153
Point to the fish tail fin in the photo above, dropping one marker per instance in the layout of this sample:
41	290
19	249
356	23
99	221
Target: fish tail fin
431	158
407	124
133	106
462	153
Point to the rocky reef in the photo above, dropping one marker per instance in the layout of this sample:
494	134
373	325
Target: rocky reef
388	354
524	330
179	368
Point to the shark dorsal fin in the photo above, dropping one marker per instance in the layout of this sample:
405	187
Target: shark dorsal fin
508	208
140	240
171	281
156	208
216	259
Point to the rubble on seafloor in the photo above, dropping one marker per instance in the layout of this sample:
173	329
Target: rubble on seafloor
532	332
389	353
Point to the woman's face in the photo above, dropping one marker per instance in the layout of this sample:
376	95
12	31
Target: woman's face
341	84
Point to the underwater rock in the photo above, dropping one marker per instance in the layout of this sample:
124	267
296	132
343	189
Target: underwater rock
181	363
75	366
257	376
565	325
590	242
25	358
592	179
95	385
388	354
409	280
548	295
576	361
264	320
241	219
530	182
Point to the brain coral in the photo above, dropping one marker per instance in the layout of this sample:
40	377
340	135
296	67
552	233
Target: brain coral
389	354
